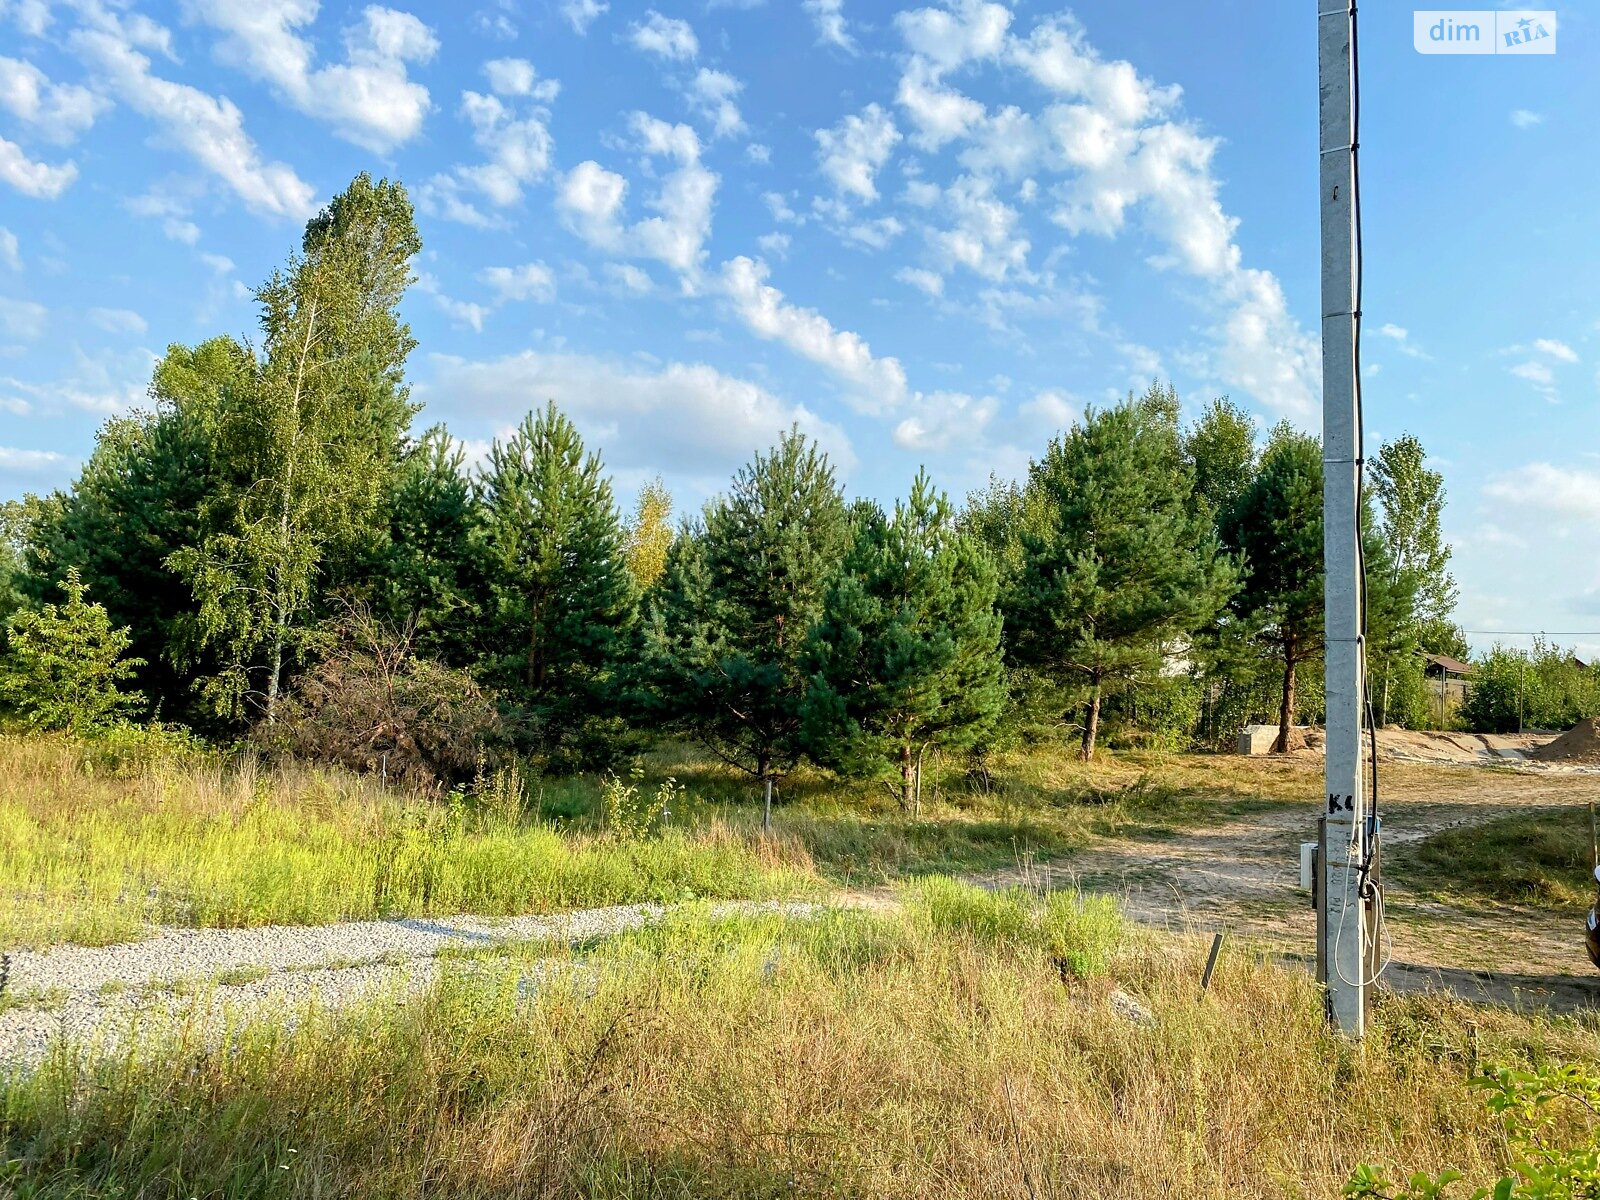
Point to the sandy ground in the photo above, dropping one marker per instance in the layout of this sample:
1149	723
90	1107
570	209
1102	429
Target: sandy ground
1241	875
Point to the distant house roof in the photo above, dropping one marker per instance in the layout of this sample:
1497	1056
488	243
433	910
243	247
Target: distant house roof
1452	666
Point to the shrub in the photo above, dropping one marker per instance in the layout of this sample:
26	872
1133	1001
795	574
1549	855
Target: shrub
372	705
1543	688
64	663
631	815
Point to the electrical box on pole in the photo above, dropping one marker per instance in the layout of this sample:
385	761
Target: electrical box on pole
1347	835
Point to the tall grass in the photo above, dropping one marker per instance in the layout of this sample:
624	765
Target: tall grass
92	851
940	1052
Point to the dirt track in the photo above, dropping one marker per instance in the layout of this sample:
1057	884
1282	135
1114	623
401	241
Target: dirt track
1242	876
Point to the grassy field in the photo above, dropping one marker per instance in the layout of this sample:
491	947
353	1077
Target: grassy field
964	1045
95	846
1541	859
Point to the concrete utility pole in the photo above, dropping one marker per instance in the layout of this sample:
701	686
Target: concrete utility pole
1343	961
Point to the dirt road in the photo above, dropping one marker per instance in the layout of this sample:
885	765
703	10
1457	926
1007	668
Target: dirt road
1241	875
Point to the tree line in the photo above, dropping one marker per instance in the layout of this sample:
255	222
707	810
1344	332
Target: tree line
269	549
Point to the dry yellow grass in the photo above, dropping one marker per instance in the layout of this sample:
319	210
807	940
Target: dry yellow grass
867	1056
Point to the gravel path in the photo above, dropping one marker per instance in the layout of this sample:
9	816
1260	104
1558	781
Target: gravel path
99	995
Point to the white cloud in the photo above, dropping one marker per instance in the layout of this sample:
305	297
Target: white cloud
876	234
581	14
628	278
207	128
220	263
1055	410
22	319
40	180
518	150
943	420
30	461
666	36
941	114
118	320
1402	340
32	17
56	112
829	18
591	201
758	153
775	244
517	77
950	37
10	254
712	93
778	206
1523	119
928	282
1559	351
462	313
983	237
368	99
880	382
530	281
692	416
1544	487
1535	373
851	153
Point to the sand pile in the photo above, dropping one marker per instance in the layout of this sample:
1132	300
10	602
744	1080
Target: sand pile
1580	744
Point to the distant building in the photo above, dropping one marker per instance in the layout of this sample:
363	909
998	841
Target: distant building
1450	679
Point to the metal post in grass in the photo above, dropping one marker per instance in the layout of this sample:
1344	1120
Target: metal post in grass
1342	928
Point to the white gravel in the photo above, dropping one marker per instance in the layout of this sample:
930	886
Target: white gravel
94	997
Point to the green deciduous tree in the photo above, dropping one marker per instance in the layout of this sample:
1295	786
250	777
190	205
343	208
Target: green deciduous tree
727	629
1120	568
649	534
561	593
64	664
306	443
906	654
1220	448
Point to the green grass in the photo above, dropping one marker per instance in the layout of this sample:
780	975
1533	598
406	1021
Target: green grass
1541	859
88	855
97	844
939	1051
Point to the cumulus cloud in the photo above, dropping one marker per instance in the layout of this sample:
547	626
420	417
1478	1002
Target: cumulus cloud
713	95
667	37
368	99
591	200
516	142
1559	351
880	383
1544	487
1524	119
581	14
56	112
30	462
10	254
42	181
828	15
530	281
930	283
851	153
701	420
209	129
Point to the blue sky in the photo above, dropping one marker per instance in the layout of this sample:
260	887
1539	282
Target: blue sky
929	235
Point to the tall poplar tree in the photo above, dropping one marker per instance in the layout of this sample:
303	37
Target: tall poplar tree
561	594
906	655
727	627
1119	568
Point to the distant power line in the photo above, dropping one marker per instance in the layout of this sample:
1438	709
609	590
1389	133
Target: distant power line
1535	632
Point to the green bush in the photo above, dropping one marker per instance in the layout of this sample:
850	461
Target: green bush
1543	688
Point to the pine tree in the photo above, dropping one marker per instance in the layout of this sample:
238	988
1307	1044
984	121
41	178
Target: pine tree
561	593
427	577
1277	527
649	535
1121	568
906	655
64	664
724	644
306	444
